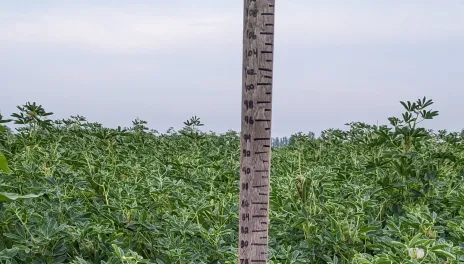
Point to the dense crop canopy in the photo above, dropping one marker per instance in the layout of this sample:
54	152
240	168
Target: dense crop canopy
77	192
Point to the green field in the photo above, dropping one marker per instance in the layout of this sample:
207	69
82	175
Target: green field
79	192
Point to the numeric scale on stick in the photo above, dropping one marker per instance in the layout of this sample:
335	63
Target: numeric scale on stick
255	161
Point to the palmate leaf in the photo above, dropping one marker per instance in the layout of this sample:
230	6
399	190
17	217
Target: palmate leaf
9	197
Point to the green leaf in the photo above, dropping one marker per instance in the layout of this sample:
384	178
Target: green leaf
12	236
443	253
9	197
4	164
399	244
82	261
383	261
295	255
7	254
416	241
436	247
367	228
404	105
3	121
458	251
118	251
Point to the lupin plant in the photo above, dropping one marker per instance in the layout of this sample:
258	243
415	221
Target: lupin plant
75	191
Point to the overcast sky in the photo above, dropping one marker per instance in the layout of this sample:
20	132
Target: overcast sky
164	61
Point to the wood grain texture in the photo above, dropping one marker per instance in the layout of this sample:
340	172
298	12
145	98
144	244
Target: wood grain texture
258	48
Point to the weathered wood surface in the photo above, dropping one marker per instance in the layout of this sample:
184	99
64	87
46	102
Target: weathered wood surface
258	48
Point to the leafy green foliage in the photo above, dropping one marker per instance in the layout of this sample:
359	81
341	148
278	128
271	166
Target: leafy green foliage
4	164
9	197
82	193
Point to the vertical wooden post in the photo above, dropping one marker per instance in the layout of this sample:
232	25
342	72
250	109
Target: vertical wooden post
258	48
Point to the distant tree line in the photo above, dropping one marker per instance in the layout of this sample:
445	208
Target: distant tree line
280	142
285	141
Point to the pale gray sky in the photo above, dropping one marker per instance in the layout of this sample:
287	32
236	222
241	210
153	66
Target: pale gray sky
164	61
